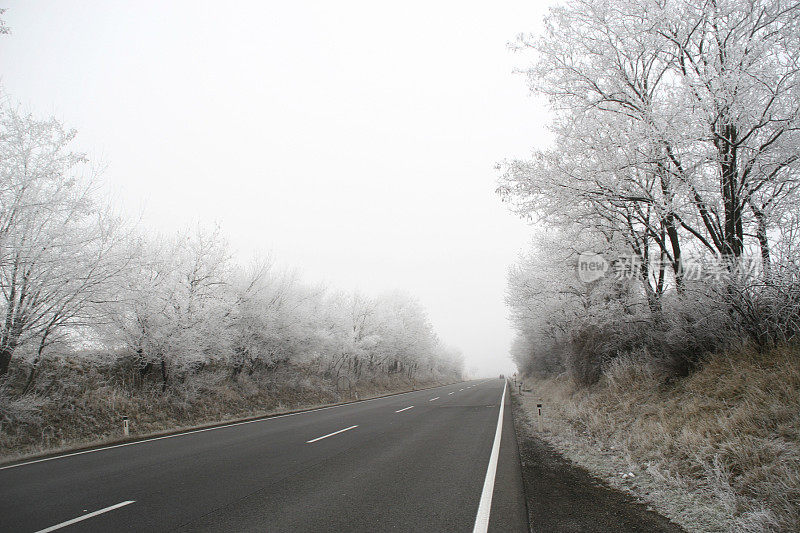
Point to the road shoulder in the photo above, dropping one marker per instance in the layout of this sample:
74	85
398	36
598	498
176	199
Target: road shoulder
564	497
509	513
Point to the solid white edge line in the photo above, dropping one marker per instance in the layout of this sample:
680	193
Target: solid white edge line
84	517
331	434
404	409
192	431
485	507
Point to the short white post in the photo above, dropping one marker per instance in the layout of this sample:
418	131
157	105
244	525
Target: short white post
125	428
539	411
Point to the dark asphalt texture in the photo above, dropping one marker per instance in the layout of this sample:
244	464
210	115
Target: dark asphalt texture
419	470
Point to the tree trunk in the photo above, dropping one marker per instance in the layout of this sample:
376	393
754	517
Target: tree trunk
5	361
9	346
677	260
164	375
763	240
733	238
31	376
669	226
36	361
653	299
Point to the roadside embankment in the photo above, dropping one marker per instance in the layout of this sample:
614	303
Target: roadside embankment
566	497
80	406
718	450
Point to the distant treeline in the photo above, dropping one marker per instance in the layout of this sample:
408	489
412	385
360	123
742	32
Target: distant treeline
82	287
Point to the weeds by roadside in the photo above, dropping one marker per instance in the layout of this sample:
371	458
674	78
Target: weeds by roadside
81	405
716	451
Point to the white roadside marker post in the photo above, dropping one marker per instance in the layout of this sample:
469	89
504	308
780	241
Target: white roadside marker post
125	428
539	417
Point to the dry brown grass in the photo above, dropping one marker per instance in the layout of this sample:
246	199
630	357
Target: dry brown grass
717	451
79	404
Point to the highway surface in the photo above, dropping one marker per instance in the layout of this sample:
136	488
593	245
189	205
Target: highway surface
439	460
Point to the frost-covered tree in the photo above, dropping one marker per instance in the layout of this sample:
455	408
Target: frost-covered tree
174	311
60	248
676	121
4	29
275	319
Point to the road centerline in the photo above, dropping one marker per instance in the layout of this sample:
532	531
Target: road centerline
86	516
331	434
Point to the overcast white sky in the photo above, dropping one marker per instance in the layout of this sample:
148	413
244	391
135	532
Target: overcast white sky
354	141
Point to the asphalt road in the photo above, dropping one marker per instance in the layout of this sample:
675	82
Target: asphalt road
411	462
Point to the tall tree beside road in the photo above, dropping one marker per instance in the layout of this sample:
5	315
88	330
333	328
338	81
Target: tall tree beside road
676	132
60	252
174	311
676	121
